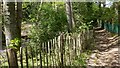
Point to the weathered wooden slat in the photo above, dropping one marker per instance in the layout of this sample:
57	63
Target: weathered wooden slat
62	50
21	56
58	50
44	55
7	55
47	48
51	53
69	50
55	52
32	56
36	56
26	55
40	49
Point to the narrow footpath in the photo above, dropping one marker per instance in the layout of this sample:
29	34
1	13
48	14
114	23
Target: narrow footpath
107	50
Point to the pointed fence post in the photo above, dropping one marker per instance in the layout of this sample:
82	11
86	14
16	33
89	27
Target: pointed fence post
26	55
62	49
40	55
21	60
11	54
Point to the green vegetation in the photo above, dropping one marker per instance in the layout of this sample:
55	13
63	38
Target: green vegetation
15	44
61	33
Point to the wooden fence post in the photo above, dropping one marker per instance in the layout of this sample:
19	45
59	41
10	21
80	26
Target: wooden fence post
55	51
58	50
40	55
62	49
69	47
11	54
36	55
7	56
26	55
21	60
47	47
32	56
44	53
51	62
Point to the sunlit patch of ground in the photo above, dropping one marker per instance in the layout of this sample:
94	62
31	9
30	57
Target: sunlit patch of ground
25	29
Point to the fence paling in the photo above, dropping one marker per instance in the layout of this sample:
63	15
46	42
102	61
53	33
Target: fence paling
60	51
46	54
41	58
53	52
52	61
57	55
7	55
54	56
36	56
79	45
21	60
40	55
68	51
43	53
64	49
32	56
50	54
26	55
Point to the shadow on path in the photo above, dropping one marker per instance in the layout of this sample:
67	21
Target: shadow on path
106	51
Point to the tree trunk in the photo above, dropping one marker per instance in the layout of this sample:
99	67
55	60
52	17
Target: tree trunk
69	13
11	31
101	21
0	25
19	19
2	20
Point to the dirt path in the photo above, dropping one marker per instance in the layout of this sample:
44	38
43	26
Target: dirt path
107	50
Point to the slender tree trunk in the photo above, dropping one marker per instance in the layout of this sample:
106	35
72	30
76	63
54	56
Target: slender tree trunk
101	21
9	22
2	20
69	13
0	25
11	31
19	19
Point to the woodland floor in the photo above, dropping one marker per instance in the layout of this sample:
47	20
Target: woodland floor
107	51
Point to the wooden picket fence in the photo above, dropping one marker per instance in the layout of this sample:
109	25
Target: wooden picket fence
60	51
63	50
